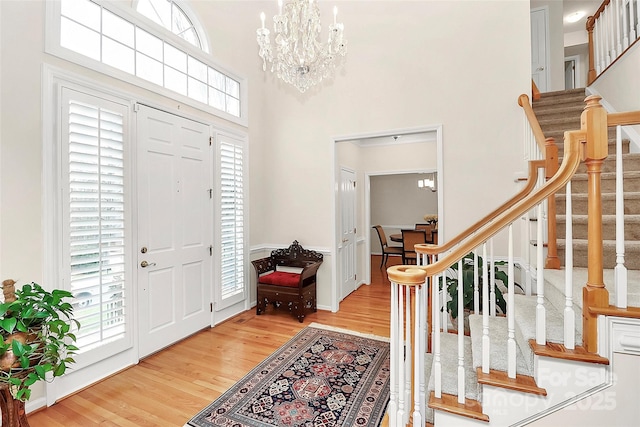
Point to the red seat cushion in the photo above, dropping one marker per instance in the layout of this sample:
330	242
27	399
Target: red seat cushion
281	278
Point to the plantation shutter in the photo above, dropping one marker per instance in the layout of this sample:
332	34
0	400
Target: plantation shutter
96	209
232	235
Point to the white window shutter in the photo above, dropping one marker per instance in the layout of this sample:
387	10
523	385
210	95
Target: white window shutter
232	226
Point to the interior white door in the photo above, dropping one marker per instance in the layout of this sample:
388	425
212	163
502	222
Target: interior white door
539	46
174	228
348	231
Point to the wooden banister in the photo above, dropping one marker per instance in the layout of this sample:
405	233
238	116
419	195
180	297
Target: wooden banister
591	75
534	165
551	167
410	275
523	101
623	119
594	294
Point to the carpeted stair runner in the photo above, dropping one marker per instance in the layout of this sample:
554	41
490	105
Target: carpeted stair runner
558	112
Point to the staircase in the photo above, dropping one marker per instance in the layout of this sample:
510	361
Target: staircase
549	374
558	112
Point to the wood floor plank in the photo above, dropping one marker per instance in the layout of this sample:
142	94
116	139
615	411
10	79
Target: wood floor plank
169	387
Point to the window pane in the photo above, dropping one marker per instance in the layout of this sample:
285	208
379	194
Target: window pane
79	39
158	11
233	106
83	11
197	90
117	28
149	69
175	80
197	69
148	44
216	79
233	88
216	99
191	36
117	55
175	58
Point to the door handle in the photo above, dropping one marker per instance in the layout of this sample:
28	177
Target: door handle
345	240
540	69
145	264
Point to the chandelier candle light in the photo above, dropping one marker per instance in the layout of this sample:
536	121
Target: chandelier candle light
301	59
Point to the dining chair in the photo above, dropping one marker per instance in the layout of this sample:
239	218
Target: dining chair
386	249
410	238
428	228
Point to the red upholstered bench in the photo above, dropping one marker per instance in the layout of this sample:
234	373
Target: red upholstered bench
288	277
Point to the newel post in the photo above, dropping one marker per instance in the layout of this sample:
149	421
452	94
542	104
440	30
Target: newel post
551	167
594	294
591	75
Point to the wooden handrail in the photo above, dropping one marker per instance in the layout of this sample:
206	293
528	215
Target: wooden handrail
523	101
410	275
623	119
532	179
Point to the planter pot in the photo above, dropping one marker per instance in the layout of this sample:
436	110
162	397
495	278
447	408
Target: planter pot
465	316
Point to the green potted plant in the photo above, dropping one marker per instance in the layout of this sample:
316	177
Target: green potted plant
37	341
468	286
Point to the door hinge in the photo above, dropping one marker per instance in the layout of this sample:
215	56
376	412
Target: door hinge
211	307
354	184
210	193
136	107
211	140
210	250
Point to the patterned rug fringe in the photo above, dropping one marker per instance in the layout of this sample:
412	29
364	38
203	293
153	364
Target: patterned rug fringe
348	331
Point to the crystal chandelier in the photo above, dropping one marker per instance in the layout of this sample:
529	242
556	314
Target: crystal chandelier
300	57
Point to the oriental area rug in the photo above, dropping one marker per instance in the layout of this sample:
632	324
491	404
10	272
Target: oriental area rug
322	377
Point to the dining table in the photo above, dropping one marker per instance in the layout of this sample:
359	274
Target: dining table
397	237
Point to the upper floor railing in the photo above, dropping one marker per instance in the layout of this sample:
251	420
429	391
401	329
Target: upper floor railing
612	29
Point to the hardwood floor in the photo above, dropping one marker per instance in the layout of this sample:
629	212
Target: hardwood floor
169	387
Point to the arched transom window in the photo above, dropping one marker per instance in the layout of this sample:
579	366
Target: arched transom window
172	17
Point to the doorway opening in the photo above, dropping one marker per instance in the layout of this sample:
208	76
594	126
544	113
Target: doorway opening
415	151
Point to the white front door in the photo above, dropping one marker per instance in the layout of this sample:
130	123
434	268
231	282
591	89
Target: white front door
348	231
174	228
539	48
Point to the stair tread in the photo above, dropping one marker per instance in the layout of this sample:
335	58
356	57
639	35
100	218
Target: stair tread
526	315
579	354
449	403
522	383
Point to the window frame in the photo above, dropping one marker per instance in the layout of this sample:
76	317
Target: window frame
53	47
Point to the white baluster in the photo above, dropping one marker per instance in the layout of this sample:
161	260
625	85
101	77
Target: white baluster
625	25
632	28
541	337
402	356
492	280
423	349
511	311
395	363
460	334
618	30
445	299
620	271
476	284
607	37
599	45
486	341
408	350
638	18
418	375
569	315
527	254
437	365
